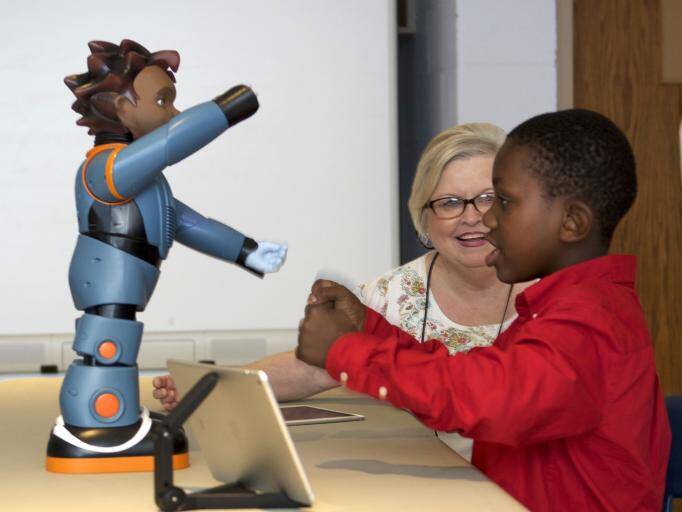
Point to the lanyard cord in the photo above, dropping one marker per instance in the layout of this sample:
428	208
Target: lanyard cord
428	288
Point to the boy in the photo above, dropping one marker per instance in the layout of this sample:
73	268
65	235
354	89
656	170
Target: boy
565	410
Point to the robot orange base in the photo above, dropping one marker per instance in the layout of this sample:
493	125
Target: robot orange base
112	450
110	464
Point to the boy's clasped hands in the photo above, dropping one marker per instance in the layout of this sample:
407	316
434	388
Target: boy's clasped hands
332	311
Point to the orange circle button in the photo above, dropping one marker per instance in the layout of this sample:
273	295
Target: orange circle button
107	349
107	405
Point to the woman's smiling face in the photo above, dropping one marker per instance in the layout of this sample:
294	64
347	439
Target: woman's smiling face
461	240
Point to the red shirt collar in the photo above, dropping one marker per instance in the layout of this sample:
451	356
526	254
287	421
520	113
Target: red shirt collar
620	269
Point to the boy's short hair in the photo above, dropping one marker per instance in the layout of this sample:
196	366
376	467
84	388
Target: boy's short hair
582	154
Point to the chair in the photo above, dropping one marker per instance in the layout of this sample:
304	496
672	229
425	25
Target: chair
673	484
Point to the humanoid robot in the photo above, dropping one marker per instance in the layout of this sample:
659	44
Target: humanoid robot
128	220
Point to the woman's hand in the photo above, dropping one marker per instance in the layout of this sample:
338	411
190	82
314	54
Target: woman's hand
165	392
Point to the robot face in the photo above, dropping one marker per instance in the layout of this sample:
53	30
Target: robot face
155	96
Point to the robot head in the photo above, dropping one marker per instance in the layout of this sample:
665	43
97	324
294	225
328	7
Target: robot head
121	85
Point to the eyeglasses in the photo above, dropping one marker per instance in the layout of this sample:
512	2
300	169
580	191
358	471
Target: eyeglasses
450	207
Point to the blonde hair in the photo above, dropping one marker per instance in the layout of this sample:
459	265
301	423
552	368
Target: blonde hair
456	143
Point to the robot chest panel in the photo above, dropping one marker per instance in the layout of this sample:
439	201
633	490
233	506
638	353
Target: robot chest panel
149	218
123	220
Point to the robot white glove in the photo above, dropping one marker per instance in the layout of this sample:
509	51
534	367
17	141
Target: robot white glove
268	257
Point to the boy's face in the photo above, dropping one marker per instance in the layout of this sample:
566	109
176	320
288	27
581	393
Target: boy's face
524	223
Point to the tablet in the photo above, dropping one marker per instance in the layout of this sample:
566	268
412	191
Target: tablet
241	433
306	414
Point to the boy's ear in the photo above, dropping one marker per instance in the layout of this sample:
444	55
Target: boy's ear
578	221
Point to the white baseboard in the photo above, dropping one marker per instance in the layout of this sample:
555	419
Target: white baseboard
28	353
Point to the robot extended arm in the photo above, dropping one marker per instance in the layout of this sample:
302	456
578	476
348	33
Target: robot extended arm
125	171
220	241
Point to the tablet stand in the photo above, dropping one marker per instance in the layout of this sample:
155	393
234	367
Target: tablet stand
171	498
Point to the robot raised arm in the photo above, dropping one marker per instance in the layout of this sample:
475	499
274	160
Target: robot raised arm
124	171
223	242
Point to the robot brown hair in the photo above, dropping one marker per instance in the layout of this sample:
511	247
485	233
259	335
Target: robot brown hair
111	71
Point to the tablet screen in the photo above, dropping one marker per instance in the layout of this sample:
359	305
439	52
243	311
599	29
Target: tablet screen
303	414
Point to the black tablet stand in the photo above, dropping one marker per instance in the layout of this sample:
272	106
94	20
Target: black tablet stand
171	498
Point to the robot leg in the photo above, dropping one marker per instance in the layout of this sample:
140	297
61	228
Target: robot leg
102	427
104	393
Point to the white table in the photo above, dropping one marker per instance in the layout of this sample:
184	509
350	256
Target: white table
389	461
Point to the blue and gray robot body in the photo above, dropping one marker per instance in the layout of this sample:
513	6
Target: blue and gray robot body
128	220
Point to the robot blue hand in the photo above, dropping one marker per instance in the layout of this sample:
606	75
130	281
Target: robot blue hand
269	257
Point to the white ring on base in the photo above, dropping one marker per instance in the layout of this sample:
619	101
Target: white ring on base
63	433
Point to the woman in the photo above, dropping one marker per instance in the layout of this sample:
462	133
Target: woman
448	294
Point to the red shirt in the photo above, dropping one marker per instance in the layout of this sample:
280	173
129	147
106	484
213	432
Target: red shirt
565	410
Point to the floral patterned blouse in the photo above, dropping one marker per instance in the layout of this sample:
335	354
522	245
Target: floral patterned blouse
400	297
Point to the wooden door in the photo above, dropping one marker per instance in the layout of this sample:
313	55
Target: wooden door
617	71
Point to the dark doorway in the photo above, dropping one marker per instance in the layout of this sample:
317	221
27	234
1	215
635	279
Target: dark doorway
426	93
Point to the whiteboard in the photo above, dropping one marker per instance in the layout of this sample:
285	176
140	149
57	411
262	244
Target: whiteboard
315	167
